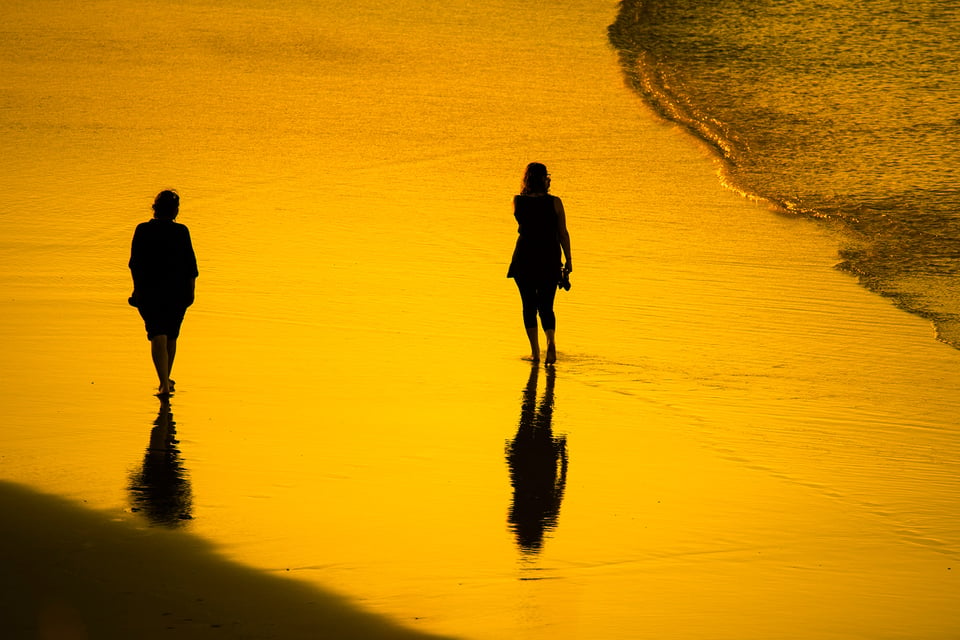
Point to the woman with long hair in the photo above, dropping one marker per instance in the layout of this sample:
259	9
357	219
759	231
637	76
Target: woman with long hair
536	266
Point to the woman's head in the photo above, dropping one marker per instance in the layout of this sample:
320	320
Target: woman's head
535	179
166	206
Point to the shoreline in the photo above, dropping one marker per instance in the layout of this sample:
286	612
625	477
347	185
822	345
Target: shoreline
894	241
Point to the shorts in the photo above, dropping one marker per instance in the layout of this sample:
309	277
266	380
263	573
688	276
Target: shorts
162	320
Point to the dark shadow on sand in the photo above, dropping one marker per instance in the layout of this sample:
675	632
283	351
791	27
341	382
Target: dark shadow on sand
160	488
73	573
538	467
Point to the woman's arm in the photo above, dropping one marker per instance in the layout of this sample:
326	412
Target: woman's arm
563	234
191	268
136	257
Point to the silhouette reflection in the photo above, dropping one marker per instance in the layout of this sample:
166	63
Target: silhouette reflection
160	488
538	467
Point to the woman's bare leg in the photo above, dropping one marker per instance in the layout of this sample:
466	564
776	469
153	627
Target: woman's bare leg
551	346
534	338
161	361
171	353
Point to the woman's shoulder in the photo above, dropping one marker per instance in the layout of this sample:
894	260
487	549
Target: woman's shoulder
144	228
175	227
155	227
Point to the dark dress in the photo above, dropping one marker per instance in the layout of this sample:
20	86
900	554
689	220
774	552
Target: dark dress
163	266
536	257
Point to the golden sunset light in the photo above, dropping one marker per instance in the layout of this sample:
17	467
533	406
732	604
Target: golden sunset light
750	428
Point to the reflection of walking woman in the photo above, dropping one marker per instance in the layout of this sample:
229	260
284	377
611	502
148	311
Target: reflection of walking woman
160	488
538	467
536	266
164	270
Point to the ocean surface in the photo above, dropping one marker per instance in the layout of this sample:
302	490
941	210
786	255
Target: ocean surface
737	442
845	111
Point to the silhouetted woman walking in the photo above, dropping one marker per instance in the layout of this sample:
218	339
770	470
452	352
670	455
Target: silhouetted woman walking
164	270
536	265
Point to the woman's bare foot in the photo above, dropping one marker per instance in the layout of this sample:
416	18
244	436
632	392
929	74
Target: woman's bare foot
533	338
551	353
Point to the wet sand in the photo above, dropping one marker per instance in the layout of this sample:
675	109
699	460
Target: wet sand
755	447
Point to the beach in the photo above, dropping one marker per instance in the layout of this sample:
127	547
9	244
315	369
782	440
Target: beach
755	445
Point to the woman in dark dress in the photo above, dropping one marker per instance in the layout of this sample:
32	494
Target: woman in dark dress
164	270
536	266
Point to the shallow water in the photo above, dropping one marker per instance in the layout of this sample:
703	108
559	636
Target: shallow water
839	110
755	447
